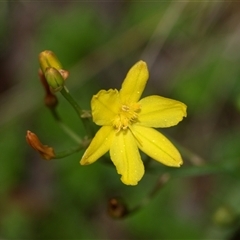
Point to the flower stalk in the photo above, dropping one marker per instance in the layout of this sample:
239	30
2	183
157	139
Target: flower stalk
47	152
80	112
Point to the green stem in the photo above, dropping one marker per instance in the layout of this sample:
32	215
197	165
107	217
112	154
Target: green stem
167	174
81	113
71	100
161	181
70	151
193	158
65	128
82	143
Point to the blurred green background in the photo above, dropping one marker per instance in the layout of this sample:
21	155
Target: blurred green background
193	53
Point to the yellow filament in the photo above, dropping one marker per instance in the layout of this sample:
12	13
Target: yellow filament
128	114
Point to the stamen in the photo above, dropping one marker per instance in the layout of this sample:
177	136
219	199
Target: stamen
128	114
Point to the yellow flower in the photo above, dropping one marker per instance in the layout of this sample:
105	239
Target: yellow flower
127	125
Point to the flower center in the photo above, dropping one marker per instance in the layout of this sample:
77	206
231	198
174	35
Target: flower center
128	114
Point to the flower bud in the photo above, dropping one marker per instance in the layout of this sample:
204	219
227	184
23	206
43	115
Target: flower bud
54	79
64	73
50	99
45	151
48	59
117	208
225	216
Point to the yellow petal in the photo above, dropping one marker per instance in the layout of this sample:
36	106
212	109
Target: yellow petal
157	146
161	112
125	156
105	105
99	145
134	83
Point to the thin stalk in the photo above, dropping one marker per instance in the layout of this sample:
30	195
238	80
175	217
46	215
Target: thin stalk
81	113
68	152
65	128
71	100
161	181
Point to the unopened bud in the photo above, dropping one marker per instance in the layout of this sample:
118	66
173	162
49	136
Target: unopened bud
54	79
50	99
49	59
64	73
45	151
117	208
225	216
